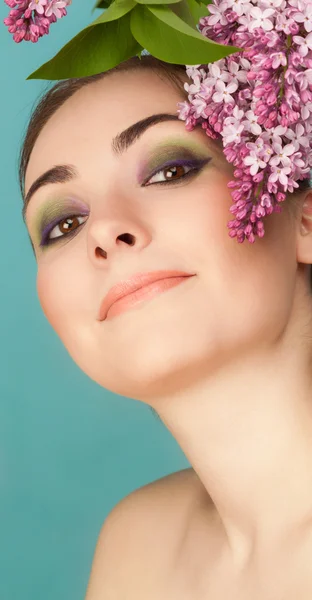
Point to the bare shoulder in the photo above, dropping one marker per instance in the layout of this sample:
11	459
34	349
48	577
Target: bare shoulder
151	519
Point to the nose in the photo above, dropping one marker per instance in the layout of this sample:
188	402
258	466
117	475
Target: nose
110	237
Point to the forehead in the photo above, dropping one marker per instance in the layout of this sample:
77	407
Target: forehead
88	121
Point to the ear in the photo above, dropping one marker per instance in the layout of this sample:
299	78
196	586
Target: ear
304	233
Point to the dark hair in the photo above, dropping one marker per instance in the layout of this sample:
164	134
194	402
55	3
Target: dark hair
53	99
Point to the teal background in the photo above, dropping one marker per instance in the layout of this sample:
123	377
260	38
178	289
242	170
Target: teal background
69	449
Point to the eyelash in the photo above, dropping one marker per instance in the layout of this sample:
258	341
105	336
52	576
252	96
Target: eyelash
195	167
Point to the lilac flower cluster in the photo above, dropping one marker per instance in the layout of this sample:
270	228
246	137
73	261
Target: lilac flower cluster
258	101
31	19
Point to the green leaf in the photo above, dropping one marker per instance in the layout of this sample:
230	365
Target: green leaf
169	38
182	10
158	1
117	9
102	4
167	16
198	9
95	49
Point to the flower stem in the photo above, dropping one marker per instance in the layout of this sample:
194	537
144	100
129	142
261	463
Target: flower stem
284	69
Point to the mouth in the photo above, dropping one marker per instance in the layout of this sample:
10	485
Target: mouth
139	289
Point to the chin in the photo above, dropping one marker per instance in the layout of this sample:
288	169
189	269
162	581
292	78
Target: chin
151	375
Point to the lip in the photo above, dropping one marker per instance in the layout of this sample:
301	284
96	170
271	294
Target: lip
134	283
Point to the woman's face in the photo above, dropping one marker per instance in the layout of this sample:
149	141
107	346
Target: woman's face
241	294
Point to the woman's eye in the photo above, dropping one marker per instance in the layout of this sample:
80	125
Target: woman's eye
64	227
171	173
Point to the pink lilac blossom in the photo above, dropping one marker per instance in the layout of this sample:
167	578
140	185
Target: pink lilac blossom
258	101
31	19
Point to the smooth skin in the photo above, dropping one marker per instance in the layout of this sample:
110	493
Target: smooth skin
224	358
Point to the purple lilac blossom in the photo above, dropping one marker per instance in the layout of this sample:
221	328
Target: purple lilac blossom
30	20
258	101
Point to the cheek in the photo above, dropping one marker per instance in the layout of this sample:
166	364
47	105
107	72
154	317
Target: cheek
47	296
247	286
207	234
70	310
211	200
58	294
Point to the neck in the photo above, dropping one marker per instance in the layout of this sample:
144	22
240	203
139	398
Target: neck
247	432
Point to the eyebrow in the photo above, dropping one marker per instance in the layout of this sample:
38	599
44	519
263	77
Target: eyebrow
120	143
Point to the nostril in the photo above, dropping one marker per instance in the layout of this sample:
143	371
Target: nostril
100	252
127	237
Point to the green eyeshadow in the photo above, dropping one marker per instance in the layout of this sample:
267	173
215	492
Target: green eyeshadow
167	150
54	210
